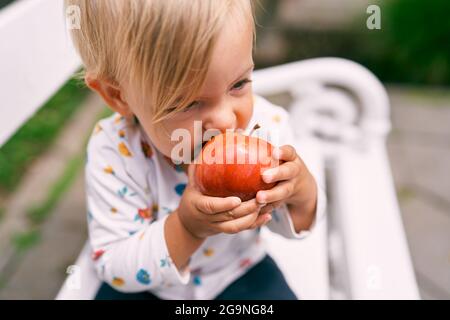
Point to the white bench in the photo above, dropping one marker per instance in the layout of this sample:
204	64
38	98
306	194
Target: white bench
358	252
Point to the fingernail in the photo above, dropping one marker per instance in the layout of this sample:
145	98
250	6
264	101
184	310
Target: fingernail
268	172
262	199
268	218
276	153
236	201
267	177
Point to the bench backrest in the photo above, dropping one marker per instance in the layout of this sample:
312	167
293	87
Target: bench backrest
37	58
361	251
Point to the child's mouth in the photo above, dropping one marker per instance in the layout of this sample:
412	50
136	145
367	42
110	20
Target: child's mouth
199	147
212	137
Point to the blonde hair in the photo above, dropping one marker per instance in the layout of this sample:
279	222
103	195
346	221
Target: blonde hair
163	47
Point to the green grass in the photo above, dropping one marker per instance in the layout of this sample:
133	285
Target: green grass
38	214
405	194
36	135
3	282
26	240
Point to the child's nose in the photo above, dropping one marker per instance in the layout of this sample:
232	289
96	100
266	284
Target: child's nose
221	117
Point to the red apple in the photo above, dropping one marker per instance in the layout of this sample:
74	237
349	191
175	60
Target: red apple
231	165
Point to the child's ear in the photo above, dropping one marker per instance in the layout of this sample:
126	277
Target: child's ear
110	93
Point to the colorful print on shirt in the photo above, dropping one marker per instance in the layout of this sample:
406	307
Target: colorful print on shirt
124	151
109	170
97	254
208	252
143	277
197	280
144	214
118	282
179	188
245	263
165	262
146	149
97	129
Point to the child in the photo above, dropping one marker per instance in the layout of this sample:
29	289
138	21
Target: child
161	65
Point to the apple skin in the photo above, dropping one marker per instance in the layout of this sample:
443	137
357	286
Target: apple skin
217	177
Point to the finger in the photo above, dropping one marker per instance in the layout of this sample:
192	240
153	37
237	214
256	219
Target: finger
286	171
243	209
281	191
191	174
261	220
246	208
286	153
266	209
212	205
237	225
220	217
270	207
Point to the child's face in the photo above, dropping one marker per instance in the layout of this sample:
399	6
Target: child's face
226	99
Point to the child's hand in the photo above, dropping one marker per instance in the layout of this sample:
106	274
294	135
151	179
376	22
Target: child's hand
204	216
296	185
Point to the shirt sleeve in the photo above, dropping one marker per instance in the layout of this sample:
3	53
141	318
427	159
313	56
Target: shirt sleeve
129	247
283	134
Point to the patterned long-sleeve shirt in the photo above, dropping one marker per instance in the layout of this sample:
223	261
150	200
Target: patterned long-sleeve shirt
132	188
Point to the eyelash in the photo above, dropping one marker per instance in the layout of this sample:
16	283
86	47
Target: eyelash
241	86
242	83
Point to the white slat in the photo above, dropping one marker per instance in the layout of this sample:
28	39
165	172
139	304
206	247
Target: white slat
373	260
36	58
82	283
378	260
304	263
344	73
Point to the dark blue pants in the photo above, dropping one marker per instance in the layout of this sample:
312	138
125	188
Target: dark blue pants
263	281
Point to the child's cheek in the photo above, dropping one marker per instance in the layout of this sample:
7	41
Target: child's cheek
245	113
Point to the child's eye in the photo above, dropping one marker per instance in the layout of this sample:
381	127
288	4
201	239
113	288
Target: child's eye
241	84
170	110
192	105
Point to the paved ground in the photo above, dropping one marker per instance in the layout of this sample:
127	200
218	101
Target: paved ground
43	174
41	272
419	149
